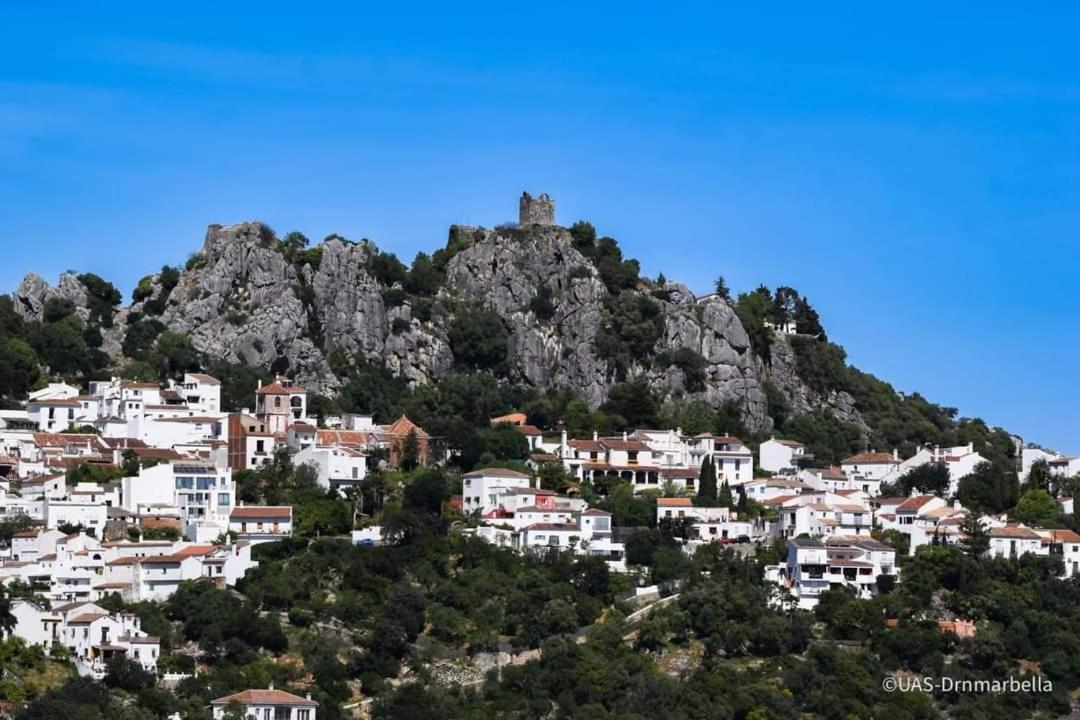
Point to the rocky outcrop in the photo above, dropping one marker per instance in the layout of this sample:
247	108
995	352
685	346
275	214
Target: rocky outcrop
242	299
781	372
34	293
505	270
242	303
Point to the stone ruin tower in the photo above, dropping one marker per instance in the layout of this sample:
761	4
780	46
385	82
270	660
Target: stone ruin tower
536	211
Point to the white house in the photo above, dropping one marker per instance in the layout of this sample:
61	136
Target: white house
261	523
1013	542
267	704
481	488
776	455
870	465
337	467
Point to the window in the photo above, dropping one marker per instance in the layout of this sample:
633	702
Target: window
303	714
223	499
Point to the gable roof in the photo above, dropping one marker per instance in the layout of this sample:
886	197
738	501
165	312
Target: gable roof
870	458
264	697
912	504
403	426
1015	532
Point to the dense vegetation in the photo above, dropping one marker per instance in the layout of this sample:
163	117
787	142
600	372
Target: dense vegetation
387	622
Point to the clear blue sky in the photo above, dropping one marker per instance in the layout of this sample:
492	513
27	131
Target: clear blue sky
916	174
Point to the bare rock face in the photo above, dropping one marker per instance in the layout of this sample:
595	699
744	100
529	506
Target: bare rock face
781	372
505	269
244	301
710	328
243	304
34	292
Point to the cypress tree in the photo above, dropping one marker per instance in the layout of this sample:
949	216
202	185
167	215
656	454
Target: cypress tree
707	482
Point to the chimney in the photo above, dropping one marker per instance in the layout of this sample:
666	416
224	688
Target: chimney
271	685
595	436
624	436
895	454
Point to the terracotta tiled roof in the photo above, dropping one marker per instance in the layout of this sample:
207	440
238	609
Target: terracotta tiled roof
870	459
1059	536
62	439
124	443
261	511
85	618
403	426
264	697
275	388
1014	531
341	437
495	472
205	379
514	418
620	444
912	504
194	551
673	502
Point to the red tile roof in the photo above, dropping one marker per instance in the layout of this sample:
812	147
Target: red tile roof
496	472
870	459
912	504
261	511
264	697
403	426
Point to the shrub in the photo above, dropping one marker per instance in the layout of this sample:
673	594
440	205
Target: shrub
541	304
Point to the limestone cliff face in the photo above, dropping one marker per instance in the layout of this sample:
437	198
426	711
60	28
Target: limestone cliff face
33	293
243	301
803	399
506	270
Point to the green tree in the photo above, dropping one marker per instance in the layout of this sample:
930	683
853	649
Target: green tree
989	488
479	340
706	493
129	463
1036	507
723	498
721	288
976	540
1039	477
929	478
409	453
19	368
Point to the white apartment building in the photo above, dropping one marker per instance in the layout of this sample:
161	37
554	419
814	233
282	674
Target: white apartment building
814	566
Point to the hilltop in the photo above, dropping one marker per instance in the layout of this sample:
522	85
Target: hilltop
536	305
